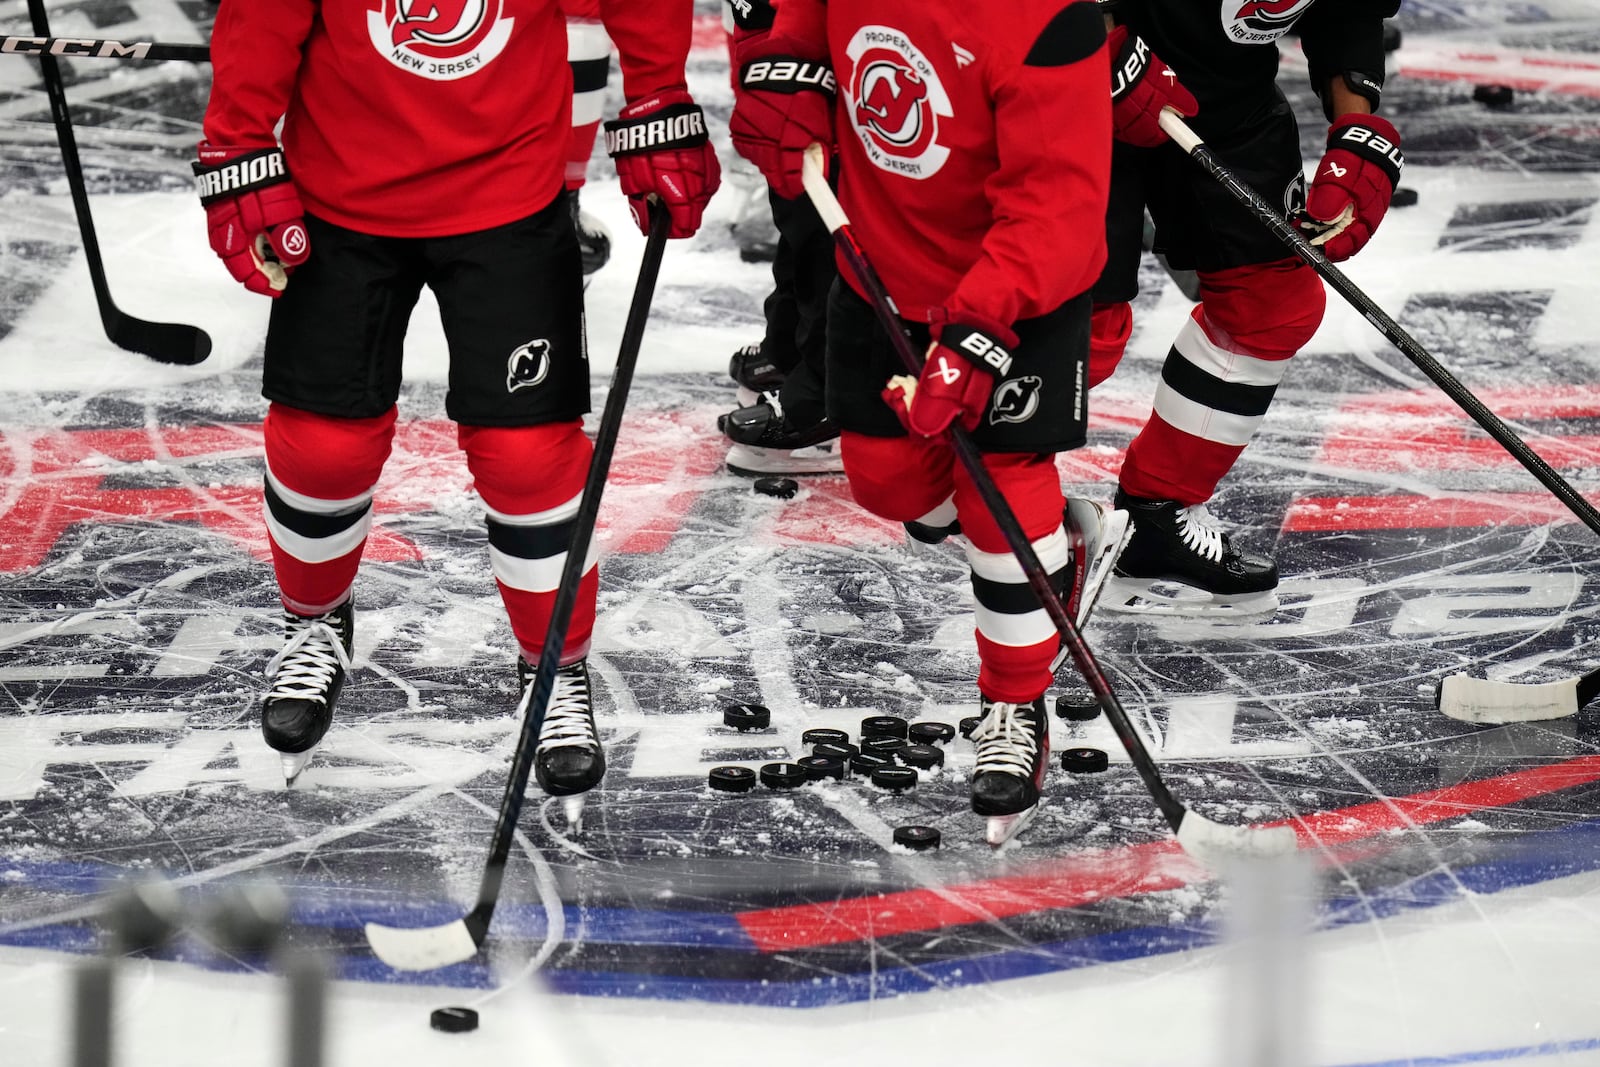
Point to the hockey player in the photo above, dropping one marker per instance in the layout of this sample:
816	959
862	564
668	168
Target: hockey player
589	54
974	153
424	144
1258	306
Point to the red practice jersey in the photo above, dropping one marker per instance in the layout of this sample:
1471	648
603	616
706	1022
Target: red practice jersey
422	118
975	146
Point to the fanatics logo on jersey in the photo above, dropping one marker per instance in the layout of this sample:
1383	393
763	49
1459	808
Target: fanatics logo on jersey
1015	399
441	40
528	366
1260	21
895	100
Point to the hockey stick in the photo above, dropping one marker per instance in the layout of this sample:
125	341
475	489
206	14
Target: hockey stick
165	342
1186	139
1459	696
1199	836
427	947
99	48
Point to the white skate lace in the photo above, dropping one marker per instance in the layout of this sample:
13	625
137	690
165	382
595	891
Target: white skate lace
313	654
1200	532
1005	740
566	719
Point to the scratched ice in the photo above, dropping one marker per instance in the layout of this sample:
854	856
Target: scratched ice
1457	902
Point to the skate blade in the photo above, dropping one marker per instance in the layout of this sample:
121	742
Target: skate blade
1115	531
293	764
813	459
1002	828
1144	596
572	808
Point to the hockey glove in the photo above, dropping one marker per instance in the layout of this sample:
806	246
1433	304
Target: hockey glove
1141	87
1353	185
968	355
660	147
784	103
253	214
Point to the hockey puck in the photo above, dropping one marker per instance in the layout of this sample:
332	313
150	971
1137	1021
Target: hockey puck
744	717
1404	196
883	746
916	838
930	733
731	779
894	779
883	726
969	724
454	1020
821	735
782	775
819	767
842	752
1495	96
866	763
1083	760
785	488
923	757
1077	707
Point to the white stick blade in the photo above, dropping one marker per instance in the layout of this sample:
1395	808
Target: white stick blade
422	948
1216	845
1482	701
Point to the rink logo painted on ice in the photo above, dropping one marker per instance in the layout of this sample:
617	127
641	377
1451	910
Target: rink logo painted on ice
1016	399
441	40
1260	21
895	101
528	365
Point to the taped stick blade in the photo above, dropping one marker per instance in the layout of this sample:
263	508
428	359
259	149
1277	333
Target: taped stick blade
1216	845
422	948
1479	700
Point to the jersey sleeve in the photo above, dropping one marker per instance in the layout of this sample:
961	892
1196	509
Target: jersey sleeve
652	39
255	58
803	20
1048	195
1344	39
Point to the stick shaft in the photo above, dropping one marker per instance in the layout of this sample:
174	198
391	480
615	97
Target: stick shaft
46	46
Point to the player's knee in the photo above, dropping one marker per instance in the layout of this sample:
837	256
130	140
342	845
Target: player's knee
523	470
1270	310
1110	326
324	457
896	478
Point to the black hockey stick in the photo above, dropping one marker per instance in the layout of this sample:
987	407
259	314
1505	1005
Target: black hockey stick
100	48
1185	139
165	342
427	947
1198	835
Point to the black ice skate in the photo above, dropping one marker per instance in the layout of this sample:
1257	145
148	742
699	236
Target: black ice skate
306	678
767	442
1179	561
569	760
754	374
1013	752
594	240
932	535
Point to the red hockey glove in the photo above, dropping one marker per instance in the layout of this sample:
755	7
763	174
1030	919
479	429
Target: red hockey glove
660	147
1353	184
253	214
964	361
1141	86
784	103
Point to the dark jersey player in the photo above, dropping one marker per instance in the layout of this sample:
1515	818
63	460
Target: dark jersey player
974	149
1259	304
425	143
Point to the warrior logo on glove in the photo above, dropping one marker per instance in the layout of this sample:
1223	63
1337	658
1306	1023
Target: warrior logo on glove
439	39
895	101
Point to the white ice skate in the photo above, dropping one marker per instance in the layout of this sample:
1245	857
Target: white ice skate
1098	535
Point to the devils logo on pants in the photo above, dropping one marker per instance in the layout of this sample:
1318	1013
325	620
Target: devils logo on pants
528	365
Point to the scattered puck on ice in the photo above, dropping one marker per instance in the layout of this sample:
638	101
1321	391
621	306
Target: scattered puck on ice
779	487
732	779
930	733
1083	760
923	757
894	779
866	763
843	752
969	724
744	717
1404	196
883	746
782	775
1494	95
819	767
916	838
883	726
1077	707
454	1020
822	736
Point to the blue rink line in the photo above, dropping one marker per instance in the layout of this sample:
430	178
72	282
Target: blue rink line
1497	1055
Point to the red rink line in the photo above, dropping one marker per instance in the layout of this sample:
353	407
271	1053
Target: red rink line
1136	869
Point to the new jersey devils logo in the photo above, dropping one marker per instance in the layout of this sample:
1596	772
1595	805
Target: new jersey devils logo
528	365
439	39
895	101
1259	21
1015	399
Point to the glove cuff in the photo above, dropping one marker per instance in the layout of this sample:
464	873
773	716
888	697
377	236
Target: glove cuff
1371	138
982	341
227	172
661	122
